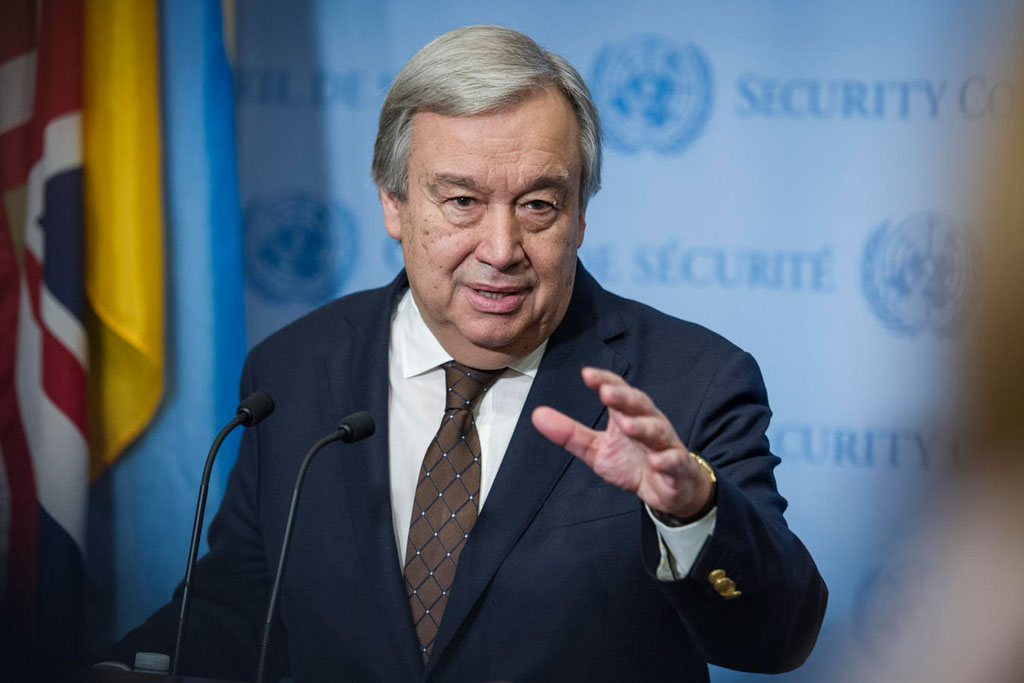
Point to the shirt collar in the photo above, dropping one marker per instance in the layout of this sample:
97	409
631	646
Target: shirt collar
418	350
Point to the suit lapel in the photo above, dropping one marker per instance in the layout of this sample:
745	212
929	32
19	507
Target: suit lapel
359	381
532	465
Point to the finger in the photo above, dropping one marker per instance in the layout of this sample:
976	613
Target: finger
594	378
616	393
565	431
628	400
653	431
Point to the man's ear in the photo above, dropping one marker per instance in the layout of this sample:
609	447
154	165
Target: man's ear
390	204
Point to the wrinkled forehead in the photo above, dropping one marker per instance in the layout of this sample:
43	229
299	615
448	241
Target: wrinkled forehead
538	135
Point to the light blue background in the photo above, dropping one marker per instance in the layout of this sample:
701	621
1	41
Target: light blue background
310	83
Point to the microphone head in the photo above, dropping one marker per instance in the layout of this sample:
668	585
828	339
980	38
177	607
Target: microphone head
256	407
356	426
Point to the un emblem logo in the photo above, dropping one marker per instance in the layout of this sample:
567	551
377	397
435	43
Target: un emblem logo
652	93
298	248
915	273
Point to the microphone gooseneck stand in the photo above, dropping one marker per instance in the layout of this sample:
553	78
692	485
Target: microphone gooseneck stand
352	428
257	406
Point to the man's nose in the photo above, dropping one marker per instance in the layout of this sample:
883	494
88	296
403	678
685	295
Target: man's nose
500	244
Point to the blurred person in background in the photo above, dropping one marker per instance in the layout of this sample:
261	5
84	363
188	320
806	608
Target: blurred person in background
955	613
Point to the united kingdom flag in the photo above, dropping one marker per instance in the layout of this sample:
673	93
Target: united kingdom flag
43	351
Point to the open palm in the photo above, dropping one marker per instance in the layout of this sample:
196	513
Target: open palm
639	451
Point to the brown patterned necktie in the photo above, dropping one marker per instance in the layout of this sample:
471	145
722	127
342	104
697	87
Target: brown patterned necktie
445	507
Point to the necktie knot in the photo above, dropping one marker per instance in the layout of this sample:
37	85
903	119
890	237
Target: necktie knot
466	386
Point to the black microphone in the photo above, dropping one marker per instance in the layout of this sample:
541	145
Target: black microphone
254	409
352	428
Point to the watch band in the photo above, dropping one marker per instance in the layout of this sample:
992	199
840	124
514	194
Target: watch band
672	520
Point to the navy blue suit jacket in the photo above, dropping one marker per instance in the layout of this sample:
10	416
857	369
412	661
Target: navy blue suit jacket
557	579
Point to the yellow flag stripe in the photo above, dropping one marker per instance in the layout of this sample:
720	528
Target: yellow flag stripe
123	205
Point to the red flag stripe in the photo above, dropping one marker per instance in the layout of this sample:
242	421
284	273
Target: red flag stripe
24	502
17	28
63	375
64	381
60	64
14	158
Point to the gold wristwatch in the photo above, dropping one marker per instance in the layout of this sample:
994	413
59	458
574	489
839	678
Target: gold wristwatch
672	520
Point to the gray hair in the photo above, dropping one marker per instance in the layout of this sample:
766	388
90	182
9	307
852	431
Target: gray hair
479	70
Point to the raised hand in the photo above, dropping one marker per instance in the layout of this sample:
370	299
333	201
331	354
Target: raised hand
639	451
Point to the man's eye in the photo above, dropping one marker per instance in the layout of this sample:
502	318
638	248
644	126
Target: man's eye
463	202
539	205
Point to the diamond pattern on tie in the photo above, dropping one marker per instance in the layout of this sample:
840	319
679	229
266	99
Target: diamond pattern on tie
445	507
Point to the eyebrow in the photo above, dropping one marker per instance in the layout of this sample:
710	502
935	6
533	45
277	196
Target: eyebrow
559	183
447	179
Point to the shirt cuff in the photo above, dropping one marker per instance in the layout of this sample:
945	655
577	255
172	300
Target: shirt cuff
680	545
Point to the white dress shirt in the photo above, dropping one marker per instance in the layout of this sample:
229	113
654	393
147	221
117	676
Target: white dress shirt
416	400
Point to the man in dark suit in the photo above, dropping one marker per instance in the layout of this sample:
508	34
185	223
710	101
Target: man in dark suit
561	526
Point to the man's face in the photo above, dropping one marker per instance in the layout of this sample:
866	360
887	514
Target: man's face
491	226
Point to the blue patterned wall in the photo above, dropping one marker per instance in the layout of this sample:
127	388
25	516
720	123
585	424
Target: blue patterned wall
792	175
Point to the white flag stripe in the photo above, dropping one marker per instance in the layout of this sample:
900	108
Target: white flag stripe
62	143
59	452
68	329
62	151
17	83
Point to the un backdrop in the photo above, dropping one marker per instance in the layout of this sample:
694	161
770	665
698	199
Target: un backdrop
790	175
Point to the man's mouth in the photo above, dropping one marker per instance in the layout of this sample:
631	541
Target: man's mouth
492	295
497	299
